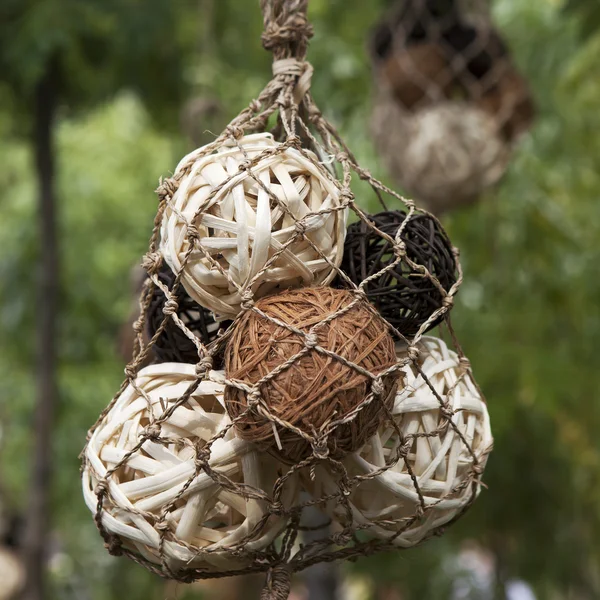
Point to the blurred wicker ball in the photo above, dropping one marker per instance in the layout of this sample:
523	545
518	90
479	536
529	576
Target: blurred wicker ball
245	210
404	296
316	402
12	574
448	439
445	155
173	345
157	489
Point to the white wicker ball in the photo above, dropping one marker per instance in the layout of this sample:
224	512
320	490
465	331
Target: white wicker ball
207	522
444	154
241	225
441	458
12	574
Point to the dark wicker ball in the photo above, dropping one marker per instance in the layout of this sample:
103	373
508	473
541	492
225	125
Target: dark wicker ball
173	345
405	297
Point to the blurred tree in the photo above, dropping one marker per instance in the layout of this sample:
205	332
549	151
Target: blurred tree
588	13
72	54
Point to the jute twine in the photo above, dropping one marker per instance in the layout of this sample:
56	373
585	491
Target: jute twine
308	357
246	517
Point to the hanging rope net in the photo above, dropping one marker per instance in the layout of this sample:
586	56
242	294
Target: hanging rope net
306	378
450	104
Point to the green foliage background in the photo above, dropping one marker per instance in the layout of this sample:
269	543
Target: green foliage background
527	314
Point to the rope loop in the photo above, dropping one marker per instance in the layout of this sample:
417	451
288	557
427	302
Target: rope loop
286	28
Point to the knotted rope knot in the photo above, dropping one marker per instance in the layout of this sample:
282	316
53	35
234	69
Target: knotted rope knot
293	141
278	584
300	227
138	324
377	386
447	412
413	353
276	508
152	431
245	165
311	340
405	448
247	299
101	487
346	197
192	233
151	262
130	372
170	307
167	188
204	366
162	525
320	449
293	29
448	301
477	469
302	71
400	248
254	398
464	362
202	457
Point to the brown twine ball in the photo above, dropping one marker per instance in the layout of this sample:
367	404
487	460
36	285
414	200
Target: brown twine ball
173	345
316	399
404	296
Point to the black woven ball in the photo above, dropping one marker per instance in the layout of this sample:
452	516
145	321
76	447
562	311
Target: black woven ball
173	345
404	297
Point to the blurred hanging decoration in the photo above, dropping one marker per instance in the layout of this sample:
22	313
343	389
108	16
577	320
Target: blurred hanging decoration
330	396
449	103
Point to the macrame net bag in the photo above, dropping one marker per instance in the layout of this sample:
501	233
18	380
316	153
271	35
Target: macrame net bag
326	399
449	104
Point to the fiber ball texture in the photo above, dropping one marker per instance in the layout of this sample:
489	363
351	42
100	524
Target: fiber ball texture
445	155
163	492
434	452
408	294
310	357
255	217
174	343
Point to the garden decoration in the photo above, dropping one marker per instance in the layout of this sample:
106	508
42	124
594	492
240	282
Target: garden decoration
329	397
450	105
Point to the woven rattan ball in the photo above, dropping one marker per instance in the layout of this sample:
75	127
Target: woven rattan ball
173	345
445	154
445	437
405	296
311	362
12	574
268	218
158	487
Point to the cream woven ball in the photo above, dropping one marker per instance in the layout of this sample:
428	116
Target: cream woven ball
445	154
206	517
241	225
12	574
441	455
